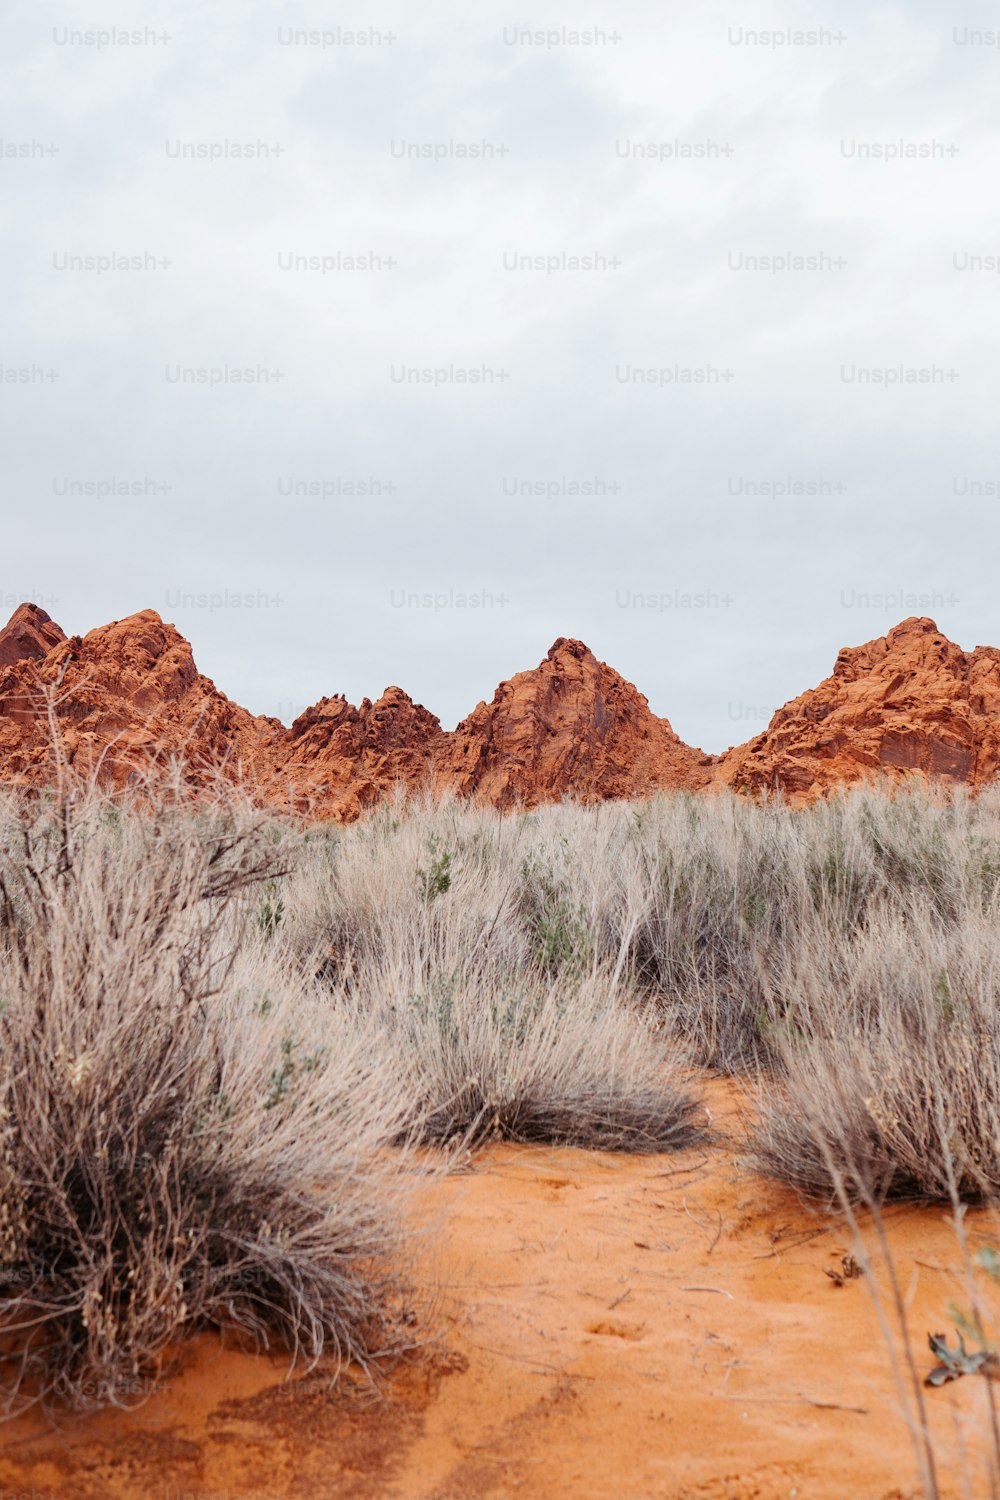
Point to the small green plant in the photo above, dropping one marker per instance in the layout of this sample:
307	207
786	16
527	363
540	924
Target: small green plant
942	991
952	1364
515	1014
272	909
435	880
559	931
291	1068
779	1029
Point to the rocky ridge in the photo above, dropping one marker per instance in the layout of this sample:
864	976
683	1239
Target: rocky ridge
128	694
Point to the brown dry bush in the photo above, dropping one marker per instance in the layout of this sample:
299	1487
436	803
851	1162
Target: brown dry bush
701	901
563	1062
188	1139
450	929
890	1053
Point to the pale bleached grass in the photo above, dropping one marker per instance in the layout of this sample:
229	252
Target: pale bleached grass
707	904
188	1136
564	1062
890	1064
215	1023
504	991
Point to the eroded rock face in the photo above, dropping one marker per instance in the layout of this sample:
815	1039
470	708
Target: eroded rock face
342	759
571	727
909	702
28	635
125	695
129	695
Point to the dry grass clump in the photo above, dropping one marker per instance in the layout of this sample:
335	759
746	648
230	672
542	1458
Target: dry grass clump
731	895
891	1066
424	884
703	902
460	935
186	1138
569	1063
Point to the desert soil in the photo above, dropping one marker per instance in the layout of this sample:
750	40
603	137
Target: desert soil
605	1326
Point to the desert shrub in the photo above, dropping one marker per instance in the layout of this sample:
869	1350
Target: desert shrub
500	975
890	1048
272	908
428	888
720	892
435	879
707	904
558	936
187	1137
566	1062
731	899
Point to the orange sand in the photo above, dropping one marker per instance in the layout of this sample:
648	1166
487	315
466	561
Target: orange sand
608	1326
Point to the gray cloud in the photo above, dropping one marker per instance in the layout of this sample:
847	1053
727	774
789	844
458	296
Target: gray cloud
680	471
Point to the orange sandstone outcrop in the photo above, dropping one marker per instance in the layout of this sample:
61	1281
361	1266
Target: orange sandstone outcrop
909	702
125	695
341	759
28	635
129	693
572	727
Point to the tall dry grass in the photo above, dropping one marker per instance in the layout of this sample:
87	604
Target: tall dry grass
189	1138
459	937
556	1061
710	906
890	1063
217	1029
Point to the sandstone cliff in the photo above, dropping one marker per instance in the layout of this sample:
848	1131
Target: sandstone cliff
909	702
342	759
572	726
125	695
129	694
28	635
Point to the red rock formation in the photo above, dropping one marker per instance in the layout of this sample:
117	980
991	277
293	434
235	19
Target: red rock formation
342	759
28	635
126	695
572	727
909	702
129	694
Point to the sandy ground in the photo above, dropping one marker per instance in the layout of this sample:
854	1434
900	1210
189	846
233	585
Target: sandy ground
608	1326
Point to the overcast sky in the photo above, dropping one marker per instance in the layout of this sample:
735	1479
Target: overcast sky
654	169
